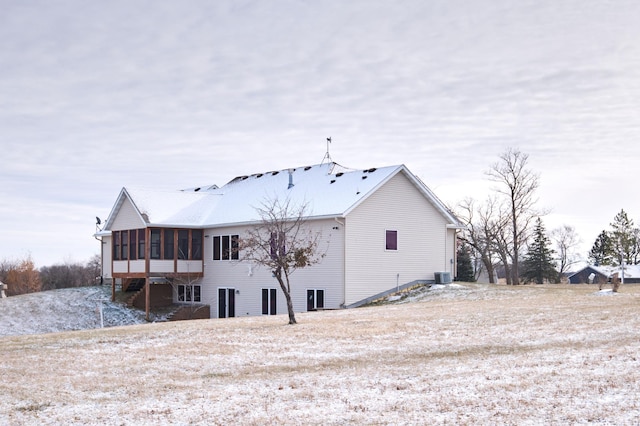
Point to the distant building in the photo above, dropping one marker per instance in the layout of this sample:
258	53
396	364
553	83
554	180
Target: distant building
601	274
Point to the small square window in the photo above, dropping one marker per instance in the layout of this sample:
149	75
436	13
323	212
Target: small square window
392	240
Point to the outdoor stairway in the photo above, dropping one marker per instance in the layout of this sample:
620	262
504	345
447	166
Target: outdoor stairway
131	300
134	285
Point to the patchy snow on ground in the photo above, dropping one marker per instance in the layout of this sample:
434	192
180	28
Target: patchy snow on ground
459	354
64	310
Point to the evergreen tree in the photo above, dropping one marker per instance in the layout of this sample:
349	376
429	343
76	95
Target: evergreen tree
538	263
622	239
464	270
602	250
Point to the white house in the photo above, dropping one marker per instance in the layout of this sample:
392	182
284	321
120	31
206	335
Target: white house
383	230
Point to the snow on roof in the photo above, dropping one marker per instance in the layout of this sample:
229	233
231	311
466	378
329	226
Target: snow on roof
327	189
630	271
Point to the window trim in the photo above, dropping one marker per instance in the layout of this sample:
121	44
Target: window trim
270	304
188	293
226	247
316	291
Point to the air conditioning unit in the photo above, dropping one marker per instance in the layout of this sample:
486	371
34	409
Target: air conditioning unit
443	277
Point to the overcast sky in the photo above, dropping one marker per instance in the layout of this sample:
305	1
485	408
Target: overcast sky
95	96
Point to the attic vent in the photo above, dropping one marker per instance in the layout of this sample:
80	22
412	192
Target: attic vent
259	175
307	168
364	177
274	173
339	174
371	170
332	181
196	190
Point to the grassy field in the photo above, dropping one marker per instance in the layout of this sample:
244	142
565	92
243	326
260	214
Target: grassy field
461	354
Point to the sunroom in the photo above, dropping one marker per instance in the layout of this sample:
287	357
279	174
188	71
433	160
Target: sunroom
149	252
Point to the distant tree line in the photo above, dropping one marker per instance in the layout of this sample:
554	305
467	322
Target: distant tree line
21	276
506	233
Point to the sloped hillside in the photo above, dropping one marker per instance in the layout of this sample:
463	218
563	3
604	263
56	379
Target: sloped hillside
63	310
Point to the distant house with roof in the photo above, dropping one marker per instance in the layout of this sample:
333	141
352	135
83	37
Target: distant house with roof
384	230
590	275
602	274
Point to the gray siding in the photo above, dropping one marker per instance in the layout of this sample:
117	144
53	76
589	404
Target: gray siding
424	244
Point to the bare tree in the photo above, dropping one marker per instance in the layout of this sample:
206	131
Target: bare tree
481	222
566	241
282	242
518	184
69	274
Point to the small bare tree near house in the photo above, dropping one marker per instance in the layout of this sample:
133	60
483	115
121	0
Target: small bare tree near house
282	242
187	290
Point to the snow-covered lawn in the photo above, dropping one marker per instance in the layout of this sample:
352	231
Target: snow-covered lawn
457	354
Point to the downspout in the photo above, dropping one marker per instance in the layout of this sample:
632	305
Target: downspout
344	260
446	252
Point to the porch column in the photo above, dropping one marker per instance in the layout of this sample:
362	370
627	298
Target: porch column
147	269
147	297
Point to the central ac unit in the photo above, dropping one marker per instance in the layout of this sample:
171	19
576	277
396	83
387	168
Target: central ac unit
442	277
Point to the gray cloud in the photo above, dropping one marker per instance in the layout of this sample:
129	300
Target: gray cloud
97	96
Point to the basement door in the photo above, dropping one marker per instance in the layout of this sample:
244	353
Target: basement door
226	302
315	299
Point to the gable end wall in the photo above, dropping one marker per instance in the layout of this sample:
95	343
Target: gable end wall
127	218
424	244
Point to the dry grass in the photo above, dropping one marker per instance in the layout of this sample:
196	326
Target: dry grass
478	354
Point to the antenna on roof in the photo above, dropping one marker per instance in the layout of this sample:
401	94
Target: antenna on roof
327	156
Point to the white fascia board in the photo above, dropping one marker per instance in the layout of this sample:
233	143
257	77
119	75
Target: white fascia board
115	209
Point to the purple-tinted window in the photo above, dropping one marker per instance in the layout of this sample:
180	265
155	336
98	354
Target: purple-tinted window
392	240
